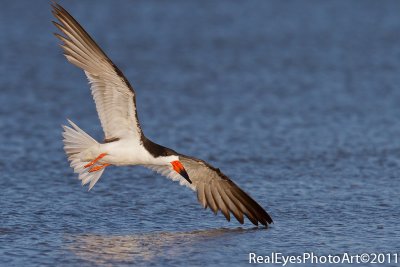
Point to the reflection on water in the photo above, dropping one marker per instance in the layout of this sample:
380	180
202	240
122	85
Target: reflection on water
143	247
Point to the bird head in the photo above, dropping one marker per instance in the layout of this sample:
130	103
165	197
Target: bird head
178	167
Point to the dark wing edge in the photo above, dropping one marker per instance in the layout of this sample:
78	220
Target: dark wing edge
72	29
216	191
81	50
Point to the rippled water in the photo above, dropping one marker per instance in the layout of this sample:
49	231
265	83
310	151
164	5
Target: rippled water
297	101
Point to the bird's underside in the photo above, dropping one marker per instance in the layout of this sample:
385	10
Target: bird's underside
125	143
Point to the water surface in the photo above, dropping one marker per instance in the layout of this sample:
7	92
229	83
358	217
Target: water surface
297	101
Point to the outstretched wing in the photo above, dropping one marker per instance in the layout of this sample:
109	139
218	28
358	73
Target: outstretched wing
112	93
216	191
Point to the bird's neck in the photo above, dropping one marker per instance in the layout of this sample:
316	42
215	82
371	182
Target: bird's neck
157	150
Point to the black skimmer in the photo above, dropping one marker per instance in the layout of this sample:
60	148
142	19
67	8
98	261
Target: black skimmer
125	143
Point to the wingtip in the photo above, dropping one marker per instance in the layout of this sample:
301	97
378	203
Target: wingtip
72	124
55	8
54	4
60	37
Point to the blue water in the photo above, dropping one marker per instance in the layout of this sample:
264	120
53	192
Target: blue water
297	101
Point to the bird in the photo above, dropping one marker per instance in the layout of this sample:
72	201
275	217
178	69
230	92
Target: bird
125	143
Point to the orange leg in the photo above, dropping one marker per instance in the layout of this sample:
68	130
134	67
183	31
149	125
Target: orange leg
99	167
102	155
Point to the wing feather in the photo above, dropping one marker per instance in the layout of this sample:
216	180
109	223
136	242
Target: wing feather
112	93
217	191
218	199
210	199
201	195
230	204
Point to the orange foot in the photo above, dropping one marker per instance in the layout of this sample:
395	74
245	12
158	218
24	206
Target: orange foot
102	155
99	167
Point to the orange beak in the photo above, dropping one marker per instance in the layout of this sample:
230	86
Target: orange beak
178	167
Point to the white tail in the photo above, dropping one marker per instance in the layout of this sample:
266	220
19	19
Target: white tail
75	142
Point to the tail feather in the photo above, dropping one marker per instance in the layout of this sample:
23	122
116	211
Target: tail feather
76	141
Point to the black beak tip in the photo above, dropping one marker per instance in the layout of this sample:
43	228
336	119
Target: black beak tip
186	176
